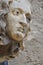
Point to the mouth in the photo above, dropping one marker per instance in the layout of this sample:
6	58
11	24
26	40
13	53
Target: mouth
18	34
20	29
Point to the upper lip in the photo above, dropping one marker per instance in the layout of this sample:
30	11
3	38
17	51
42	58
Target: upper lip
20	29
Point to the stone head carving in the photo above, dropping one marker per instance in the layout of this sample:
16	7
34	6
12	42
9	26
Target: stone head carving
18	20
17	17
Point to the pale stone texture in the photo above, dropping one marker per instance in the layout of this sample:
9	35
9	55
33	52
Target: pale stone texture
33	53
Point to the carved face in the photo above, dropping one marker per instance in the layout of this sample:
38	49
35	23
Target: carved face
18	23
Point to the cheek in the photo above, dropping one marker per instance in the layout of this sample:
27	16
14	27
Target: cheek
16	19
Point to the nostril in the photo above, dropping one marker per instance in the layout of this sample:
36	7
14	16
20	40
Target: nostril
23	24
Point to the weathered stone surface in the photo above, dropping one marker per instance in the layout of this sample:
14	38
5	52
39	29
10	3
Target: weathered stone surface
15	18
33	53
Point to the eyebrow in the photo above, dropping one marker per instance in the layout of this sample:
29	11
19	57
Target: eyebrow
28	15
21	11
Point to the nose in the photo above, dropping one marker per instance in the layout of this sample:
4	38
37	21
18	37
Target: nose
23	21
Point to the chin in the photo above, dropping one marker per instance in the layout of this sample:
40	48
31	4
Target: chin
18	36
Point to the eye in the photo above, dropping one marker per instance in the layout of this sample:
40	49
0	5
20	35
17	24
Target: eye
16	12
28	17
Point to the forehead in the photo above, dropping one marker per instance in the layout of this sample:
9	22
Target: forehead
22	4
